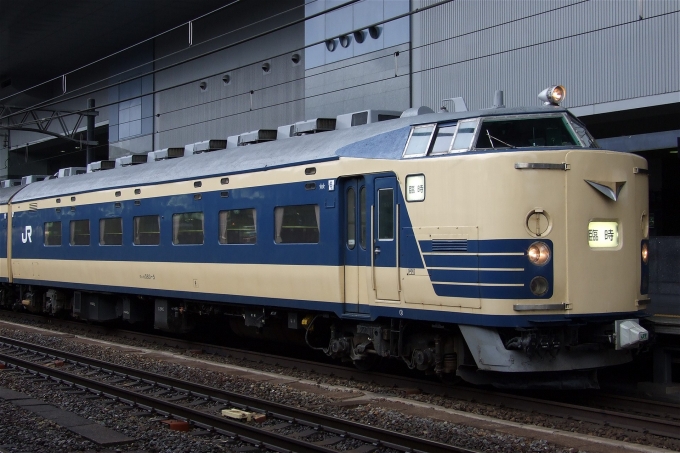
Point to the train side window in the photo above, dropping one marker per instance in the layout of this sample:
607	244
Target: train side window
238	226
362	217
80	232
386	214
296	224
147	230
419	141
444	139
465	133
111	231
587	140
52	233
187	228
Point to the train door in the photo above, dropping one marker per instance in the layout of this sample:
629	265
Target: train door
385	239
354	234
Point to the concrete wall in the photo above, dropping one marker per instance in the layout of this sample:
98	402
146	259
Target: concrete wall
601	50
664	275
373	74
193	102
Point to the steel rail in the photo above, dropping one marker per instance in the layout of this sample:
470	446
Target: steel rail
546	406
369	434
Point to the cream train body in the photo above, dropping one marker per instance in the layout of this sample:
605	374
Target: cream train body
431	239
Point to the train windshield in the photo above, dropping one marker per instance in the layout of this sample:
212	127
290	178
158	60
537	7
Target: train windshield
531	131
498	132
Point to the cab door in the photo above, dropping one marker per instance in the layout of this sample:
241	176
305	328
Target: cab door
385	239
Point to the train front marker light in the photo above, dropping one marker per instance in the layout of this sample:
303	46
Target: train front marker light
539	286
645	252
553	95
538	253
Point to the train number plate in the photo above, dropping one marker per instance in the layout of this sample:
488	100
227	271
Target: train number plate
603	234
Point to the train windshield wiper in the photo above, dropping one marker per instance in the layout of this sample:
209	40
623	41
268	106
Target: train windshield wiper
492	138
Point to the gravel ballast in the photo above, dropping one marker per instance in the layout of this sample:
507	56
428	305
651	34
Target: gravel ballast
152	436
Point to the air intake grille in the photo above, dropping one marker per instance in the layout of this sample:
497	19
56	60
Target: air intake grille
449	245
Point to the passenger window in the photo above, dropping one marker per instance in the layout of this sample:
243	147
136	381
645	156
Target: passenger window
238	226
386	214
187	228
464	135
52	233
111	231
147	230
442	142
296	224
80	232
419	141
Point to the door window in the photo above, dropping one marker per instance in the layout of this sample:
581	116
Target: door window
362	217
351	218
385	214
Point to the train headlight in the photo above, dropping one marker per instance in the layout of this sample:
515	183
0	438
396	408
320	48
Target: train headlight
539	253
553	95
645	253
539	286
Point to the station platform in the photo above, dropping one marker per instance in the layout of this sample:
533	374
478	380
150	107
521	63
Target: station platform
665	330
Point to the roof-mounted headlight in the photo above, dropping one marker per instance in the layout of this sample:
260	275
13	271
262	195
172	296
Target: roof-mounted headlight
553	95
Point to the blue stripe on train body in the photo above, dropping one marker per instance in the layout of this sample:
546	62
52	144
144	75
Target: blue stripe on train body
265	251
327	252
503	279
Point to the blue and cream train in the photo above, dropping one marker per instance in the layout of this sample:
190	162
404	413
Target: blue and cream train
499	246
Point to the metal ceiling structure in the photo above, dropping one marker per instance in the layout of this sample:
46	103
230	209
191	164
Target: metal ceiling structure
43	39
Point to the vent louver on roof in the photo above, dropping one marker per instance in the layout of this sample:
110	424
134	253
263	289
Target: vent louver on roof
286	131
134	159
10	183
348	120
258	136
163	154
314	126
232	141
204	147
71	171
101	165
415	111
33	178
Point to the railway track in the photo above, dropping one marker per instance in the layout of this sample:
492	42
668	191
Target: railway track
636	414
287	429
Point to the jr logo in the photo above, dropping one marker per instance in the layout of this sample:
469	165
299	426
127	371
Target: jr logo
26	236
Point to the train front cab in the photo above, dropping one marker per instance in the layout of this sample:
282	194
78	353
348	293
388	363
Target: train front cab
593	206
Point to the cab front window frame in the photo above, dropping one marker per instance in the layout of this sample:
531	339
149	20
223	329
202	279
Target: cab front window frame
463	127
414	145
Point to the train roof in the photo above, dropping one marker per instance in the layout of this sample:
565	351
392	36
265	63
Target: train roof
7	192
382	140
